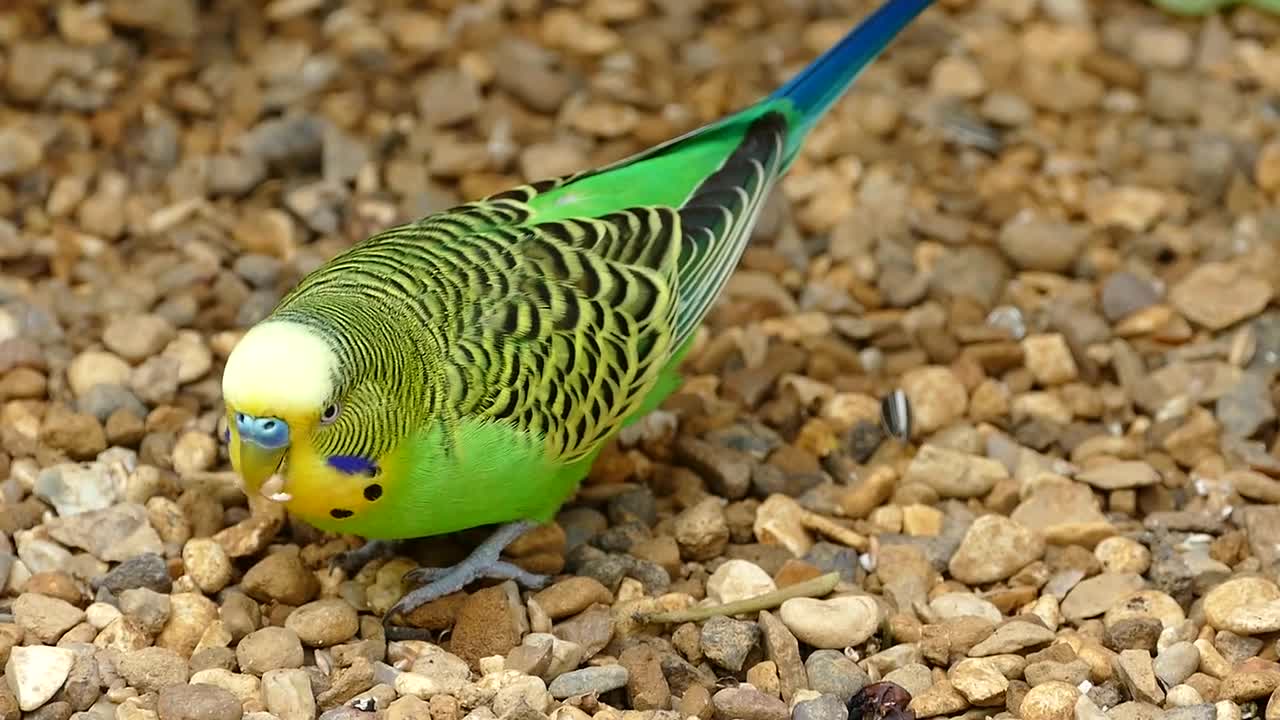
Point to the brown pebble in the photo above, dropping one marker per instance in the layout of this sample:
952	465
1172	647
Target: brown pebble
571	596
488	623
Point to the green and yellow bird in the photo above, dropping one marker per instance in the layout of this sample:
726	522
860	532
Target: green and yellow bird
466	369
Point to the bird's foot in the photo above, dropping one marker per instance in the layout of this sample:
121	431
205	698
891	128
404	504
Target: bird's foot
352	561
484	562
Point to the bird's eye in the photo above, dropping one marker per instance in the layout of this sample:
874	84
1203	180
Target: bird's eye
329	414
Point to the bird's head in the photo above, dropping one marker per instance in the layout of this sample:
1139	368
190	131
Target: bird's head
281	385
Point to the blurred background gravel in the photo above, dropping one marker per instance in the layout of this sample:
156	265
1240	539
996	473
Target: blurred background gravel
1052	222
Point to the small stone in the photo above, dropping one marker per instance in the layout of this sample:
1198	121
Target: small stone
957	76
1161	47
35	674
137	337
190	616
1049	359
747	703
1218	295
937	398
1050	701
1134	668
1096	595
1120	475
993	549
152	669
287	694
701	530
271	648
954	474
571	596
43	618
836	623
737	580
74	489
141	571
490	622
1041	244
823	707
980	681
1123	555
647	687
281	577
323	623
1011	637
198	702
1176	663
1065	513
207	563
950	606
599	680
726	642
1223	605
832	672
148	608
727	471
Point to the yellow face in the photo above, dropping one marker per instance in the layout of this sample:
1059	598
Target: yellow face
277	387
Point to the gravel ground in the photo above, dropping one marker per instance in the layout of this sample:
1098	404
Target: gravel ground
1052	223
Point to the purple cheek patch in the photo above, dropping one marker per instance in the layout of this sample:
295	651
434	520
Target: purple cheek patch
353	465
226	435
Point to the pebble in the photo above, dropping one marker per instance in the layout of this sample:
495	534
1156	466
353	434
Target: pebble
1134	669
281	577
152	669
1122	475
1176	663
137	337
1228	606
1041	244
198	702
491	622
1050	701
76	488
208	564
1096	595
323	623
148	608
190	615
747	703
950	606
287	694
1218	295
647	687
701	531
954	474
738	580
1013	636
979	680
600	679
34	674
937	398
832	672
1123	555
823	707
835	623
43	618
993	549
571	596
726	641
271	648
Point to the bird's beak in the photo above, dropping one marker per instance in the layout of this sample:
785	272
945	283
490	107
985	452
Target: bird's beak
257	464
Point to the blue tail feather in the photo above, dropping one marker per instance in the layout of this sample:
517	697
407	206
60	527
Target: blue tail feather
813	90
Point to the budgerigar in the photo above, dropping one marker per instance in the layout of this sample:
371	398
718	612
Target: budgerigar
465	369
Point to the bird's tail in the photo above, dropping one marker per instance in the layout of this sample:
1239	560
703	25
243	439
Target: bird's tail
814	89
